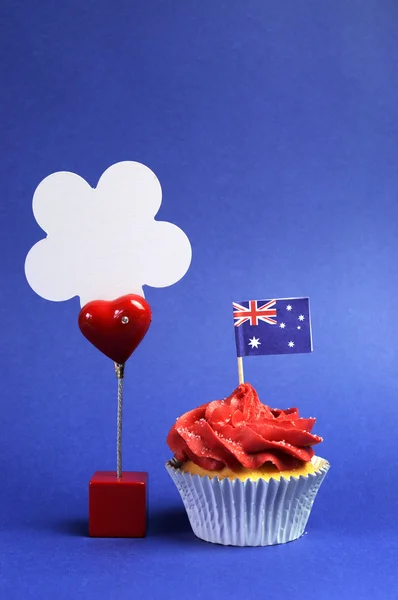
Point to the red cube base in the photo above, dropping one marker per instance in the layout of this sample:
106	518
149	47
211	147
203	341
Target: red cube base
117	507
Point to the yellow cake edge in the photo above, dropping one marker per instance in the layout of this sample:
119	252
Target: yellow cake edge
265	473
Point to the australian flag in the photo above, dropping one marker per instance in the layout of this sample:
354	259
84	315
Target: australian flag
281	326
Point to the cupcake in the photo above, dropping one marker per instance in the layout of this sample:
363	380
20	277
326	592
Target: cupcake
247	474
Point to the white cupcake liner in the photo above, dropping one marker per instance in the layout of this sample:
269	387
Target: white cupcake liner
249	513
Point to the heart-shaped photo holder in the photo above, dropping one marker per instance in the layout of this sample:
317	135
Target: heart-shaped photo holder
116	328
113	226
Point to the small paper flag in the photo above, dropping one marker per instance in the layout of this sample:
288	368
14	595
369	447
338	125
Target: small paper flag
280	326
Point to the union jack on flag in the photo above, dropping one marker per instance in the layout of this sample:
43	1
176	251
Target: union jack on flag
254	313
279	326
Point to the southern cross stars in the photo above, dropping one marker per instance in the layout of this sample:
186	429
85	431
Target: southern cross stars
254	342
301	318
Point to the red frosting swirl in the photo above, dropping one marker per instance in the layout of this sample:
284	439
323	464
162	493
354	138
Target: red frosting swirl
242	431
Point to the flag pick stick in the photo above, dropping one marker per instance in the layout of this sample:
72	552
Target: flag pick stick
240	370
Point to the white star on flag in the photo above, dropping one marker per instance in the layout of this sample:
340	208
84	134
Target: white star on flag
289	307
254	342
301	318
291	344
282	325
298	326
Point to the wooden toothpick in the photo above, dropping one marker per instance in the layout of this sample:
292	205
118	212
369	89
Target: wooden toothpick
240	370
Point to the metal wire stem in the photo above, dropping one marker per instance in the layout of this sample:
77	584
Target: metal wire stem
120	375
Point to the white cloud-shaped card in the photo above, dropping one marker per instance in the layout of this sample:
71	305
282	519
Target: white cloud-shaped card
104	242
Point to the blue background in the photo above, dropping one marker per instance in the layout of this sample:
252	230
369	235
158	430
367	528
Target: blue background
272	127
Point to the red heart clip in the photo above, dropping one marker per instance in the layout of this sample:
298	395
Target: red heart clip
116	327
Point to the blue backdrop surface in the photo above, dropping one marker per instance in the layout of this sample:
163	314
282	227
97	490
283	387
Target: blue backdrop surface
272	127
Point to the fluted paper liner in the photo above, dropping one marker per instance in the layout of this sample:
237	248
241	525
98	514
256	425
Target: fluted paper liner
249	513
